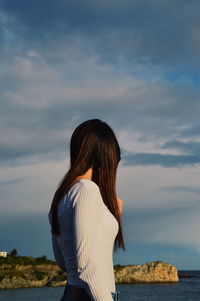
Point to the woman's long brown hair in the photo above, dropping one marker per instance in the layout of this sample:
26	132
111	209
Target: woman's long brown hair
93	145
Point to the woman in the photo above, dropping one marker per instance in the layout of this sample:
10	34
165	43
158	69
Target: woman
85	215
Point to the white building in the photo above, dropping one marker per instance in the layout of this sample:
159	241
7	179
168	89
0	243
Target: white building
3	254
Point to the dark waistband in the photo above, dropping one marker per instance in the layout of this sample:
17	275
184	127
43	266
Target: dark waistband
76	291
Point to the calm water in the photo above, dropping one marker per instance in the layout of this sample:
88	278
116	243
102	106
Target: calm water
187	289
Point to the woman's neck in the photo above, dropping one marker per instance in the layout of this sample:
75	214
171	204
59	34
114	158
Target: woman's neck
87	175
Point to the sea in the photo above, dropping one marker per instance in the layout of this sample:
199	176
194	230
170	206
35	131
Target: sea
188	288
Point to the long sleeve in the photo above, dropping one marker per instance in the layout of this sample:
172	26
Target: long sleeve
57	253
86	220
56	249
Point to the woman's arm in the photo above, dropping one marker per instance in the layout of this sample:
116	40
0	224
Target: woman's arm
57	253
56	249
87	210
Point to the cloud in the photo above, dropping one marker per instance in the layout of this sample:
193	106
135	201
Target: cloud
183	189
12	181
192	147
191	131
62	66
42	103
115	29
160	159
160	234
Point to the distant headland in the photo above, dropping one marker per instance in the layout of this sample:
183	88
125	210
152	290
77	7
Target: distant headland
26	271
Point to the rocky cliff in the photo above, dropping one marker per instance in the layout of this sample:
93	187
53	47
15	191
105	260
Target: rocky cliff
156	271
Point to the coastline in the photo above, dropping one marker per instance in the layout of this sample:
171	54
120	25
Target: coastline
29	272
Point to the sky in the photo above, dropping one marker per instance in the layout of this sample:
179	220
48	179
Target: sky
133	64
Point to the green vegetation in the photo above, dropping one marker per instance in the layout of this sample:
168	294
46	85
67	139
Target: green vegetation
40	275
25	271
24	260
118	267
11	273
60	277
13	252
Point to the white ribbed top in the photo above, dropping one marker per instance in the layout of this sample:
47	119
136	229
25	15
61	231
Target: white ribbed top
84	248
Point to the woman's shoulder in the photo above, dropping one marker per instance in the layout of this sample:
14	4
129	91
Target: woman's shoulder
86	193
84	186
